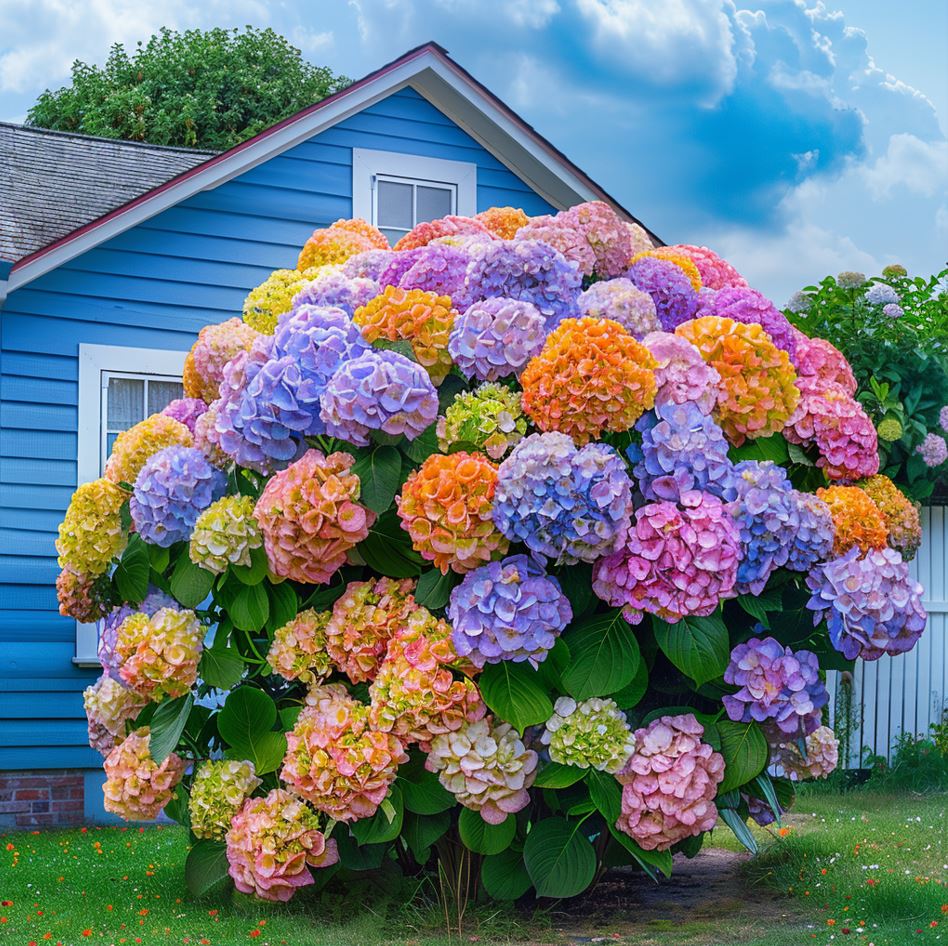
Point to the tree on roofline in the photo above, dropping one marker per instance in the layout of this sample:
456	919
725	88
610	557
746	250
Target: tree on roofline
198	89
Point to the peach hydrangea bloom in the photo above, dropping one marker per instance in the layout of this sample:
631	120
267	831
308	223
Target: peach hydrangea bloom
298	651
681	260
272	844
639	240
503	222
336	243
133	447
756	393
900	514
216	345
336	760
423	233
267	302
591	377
225	534
91	533
219	789
207	438
486	766
445	506
423	319
109	705
415	695
160	654
310	516
856	519
669	784
137	788
362	622
715	272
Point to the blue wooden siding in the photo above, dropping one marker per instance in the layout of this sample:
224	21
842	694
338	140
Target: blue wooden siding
154	286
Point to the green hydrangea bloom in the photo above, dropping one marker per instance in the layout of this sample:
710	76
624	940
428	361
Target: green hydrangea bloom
889	429
220	788
489	418
225	534
593	733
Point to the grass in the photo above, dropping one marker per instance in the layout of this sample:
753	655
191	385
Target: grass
860	868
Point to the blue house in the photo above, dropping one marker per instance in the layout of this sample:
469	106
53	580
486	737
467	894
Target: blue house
114	254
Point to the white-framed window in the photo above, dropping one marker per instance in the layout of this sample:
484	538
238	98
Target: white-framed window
118	387
396	191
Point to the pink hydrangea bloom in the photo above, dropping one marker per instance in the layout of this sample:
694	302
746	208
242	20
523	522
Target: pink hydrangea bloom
311	517
108	706
137	788
669	784
818	359
560	232
215	346
678	560
272	844
682	374
607	234
716	273
298	651
186	410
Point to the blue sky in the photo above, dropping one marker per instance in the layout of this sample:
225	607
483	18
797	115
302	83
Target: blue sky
796	137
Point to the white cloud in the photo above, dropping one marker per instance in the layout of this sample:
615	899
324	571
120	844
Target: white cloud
920	167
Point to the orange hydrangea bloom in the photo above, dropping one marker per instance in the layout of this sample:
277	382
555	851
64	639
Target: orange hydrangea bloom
503	222
683	262
445	506
900	514
335	244
364	229
424	319
856	518
591	376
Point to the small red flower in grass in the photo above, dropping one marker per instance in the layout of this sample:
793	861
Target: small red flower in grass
6	903
86	932
933	924
254	934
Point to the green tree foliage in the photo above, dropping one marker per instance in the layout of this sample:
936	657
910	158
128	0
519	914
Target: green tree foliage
198	89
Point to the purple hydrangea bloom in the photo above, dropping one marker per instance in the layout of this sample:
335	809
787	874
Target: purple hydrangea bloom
681	374
440	268
496	338
675	298
759	810
367	265
778	686
172	489
893	310
682	449
379	390
507	610
943	418
529	271
933	450
880	293
742	304
186	410
763	506
564	504
871	604
813	538
154	601
623	302
338	290
397	265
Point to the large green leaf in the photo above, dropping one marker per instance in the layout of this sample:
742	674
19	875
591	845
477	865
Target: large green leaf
504	875
649	861
380	475
131	573
385	824
355	856
606	794
284	604
266	750
167	724
221	667
484	838
773	448
256	571
387	549
576	582
419	449
745	753
250	608
604	656
205	867
421	831
177	808
515	692
630	695
559	858
423	793
556	775
190	584
434	589
739	826
248	715
698	647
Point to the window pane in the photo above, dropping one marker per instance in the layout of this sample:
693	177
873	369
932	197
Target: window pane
393	236
395	205
162	393
126	402
433	202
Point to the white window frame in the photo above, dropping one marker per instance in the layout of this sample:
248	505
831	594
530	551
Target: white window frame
369	165
97	363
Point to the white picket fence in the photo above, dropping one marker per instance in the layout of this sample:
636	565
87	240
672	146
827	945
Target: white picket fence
906	694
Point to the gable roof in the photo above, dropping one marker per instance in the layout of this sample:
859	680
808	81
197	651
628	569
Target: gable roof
54	182
429	71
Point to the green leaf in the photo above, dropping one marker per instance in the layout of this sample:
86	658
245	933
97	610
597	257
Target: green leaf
178	808
797	454
167	725
630	695
745	753
289	715
221	667
424	794
767	791
250	608
266	751
380	475
504	875
205	867
190	584
484	838
419	449
434	589
380	827
248	714
559	858
387	549
698	647
514	691
576	582
256	571
604	656
556	775
131	573
284	604
606	794
355	856
737	824
421	831
649	861
158	557
765	448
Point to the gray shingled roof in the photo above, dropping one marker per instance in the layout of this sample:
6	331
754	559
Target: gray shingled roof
53	182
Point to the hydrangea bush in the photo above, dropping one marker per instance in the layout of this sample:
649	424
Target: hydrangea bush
524	539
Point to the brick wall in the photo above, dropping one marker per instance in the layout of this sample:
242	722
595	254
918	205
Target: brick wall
40	799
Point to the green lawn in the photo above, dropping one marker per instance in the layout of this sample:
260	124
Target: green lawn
859	868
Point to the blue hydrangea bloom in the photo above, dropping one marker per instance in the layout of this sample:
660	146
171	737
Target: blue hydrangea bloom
172	489
813	539
682	449
564	504
507	610
879	293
